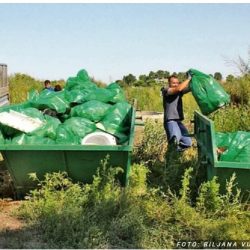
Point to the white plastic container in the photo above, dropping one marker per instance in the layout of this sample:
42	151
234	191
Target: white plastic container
99	138
20	121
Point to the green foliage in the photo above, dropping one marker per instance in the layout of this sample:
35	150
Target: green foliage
230	78
20	85
147	98
166	166
152	148
209	198
105	215
185	190
152	79
129	79
218	76
231	118
239	89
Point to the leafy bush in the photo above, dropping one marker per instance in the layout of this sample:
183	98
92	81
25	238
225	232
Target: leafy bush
20	85
239	89
232	118
105	215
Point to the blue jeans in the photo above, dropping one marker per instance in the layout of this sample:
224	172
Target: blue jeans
177	129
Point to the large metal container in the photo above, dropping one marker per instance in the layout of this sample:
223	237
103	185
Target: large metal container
79	161
207	152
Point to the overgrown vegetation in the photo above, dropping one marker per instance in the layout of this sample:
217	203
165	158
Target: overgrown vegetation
232	118
155	78
104	215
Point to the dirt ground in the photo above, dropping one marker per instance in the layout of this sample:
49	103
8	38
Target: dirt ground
14	232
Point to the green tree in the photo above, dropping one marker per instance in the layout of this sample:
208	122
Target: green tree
129	79
218	76
143	78
152	75
181	76
230	78
160	74
166	74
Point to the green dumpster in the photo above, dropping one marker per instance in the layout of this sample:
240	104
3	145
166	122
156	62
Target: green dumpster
79	161
205	135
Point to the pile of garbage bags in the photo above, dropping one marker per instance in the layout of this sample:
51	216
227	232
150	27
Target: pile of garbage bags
233	146
67	116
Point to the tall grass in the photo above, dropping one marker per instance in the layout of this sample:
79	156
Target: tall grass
232	118
20	85
148	98
239	89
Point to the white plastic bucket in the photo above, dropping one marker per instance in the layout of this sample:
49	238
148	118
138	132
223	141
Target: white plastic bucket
99	138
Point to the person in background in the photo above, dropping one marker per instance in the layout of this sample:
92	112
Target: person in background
47	85
58	88
177	133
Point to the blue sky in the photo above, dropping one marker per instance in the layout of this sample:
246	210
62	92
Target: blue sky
54	41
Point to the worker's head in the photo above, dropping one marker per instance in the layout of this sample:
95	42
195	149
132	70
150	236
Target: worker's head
58	87
173	81
47	83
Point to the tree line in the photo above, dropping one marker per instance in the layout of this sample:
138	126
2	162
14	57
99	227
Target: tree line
159	77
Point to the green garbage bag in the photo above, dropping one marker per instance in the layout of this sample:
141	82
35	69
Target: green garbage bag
92	110
237	146
117	121
32	112
207	92
24	139
15	107
224	139
76	95
74	129
2	139
80	82
119	95
50	99
49	129
64	135
100	94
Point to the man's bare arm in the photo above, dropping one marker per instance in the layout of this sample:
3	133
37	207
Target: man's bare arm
179	88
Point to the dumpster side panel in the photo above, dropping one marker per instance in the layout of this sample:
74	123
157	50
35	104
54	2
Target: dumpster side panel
22	163
205	136
224	174
82	165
